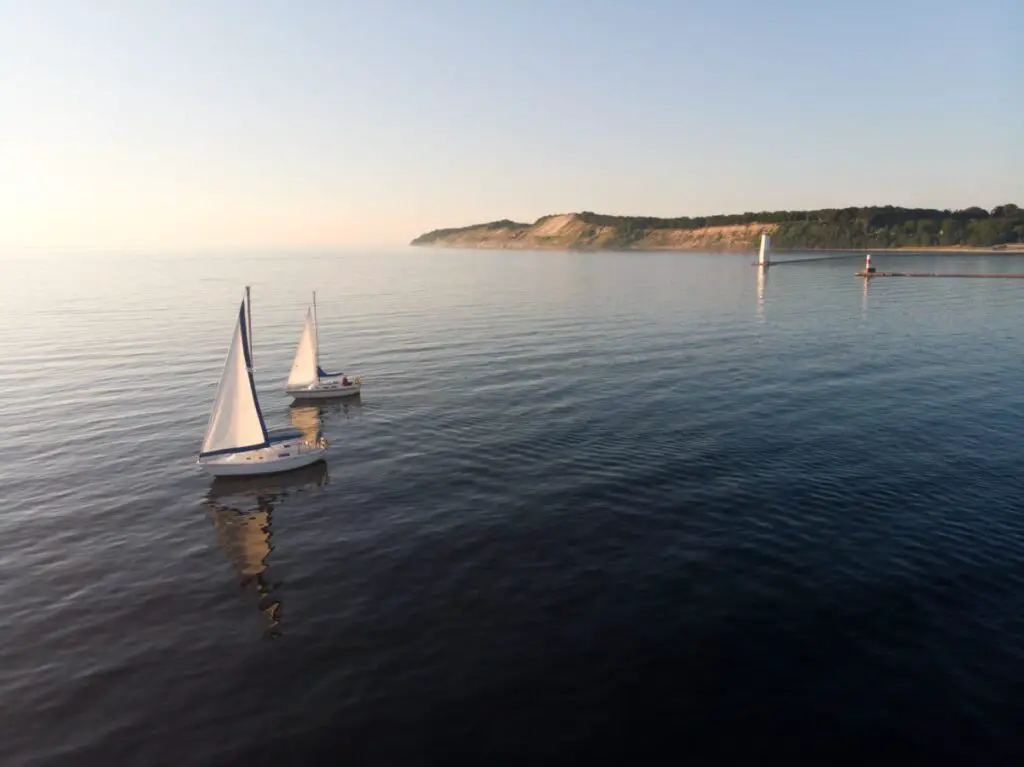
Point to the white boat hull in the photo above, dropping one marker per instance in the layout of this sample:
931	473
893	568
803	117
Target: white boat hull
266	460
327	388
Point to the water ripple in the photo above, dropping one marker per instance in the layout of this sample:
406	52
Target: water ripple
585	501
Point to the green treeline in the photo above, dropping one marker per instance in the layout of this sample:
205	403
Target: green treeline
872	227
891	227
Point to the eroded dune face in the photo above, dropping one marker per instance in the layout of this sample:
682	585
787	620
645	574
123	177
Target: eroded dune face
732	237
569	231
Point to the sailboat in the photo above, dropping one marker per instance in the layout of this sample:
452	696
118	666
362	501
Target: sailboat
237	442
308	380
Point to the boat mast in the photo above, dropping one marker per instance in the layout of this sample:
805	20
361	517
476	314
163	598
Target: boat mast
316	332
248	317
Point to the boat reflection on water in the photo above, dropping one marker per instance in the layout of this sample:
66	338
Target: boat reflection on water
306	418
310	418
762	283
242	512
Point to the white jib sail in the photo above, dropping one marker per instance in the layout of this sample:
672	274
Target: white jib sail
235	422
304	365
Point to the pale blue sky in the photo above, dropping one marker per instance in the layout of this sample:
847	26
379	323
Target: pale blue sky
237	123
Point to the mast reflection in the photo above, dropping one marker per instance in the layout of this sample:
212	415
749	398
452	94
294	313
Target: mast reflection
242	512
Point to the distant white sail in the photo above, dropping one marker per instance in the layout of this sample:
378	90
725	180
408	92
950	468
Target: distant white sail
236	423
304	366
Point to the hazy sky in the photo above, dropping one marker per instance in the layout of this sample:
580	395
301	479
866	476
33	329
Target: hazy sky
241	123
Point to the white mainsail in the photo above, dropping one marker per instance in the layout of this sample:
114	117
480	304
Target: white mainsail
236	423
304	366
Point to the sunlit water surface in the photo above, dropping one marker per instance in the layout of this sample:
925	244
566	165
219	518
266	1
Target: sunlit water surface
589	508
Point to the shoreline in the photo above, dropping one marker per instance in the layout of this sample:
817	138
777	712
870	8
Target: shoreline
1015	249
1006	250
895	230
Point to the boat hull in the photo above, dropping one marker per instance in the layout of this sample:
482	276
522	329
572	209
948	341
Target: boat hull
272	460
327	388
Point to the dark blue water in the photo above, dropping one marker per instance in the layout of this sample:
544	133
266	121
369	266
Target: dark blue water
590	509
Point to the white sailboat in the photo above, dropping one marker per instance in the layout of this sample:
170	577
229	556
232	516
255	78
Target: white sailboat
237	442
308	380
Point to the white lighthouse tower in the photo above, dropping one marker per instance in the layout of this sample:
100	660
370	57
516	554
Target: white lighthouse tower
763	259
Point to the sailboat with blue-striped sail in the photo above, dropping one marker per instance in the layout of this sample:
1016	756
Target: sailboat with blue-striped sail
237	441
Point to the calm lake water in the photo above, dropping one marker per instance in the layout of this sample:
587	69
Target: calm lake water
591	508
